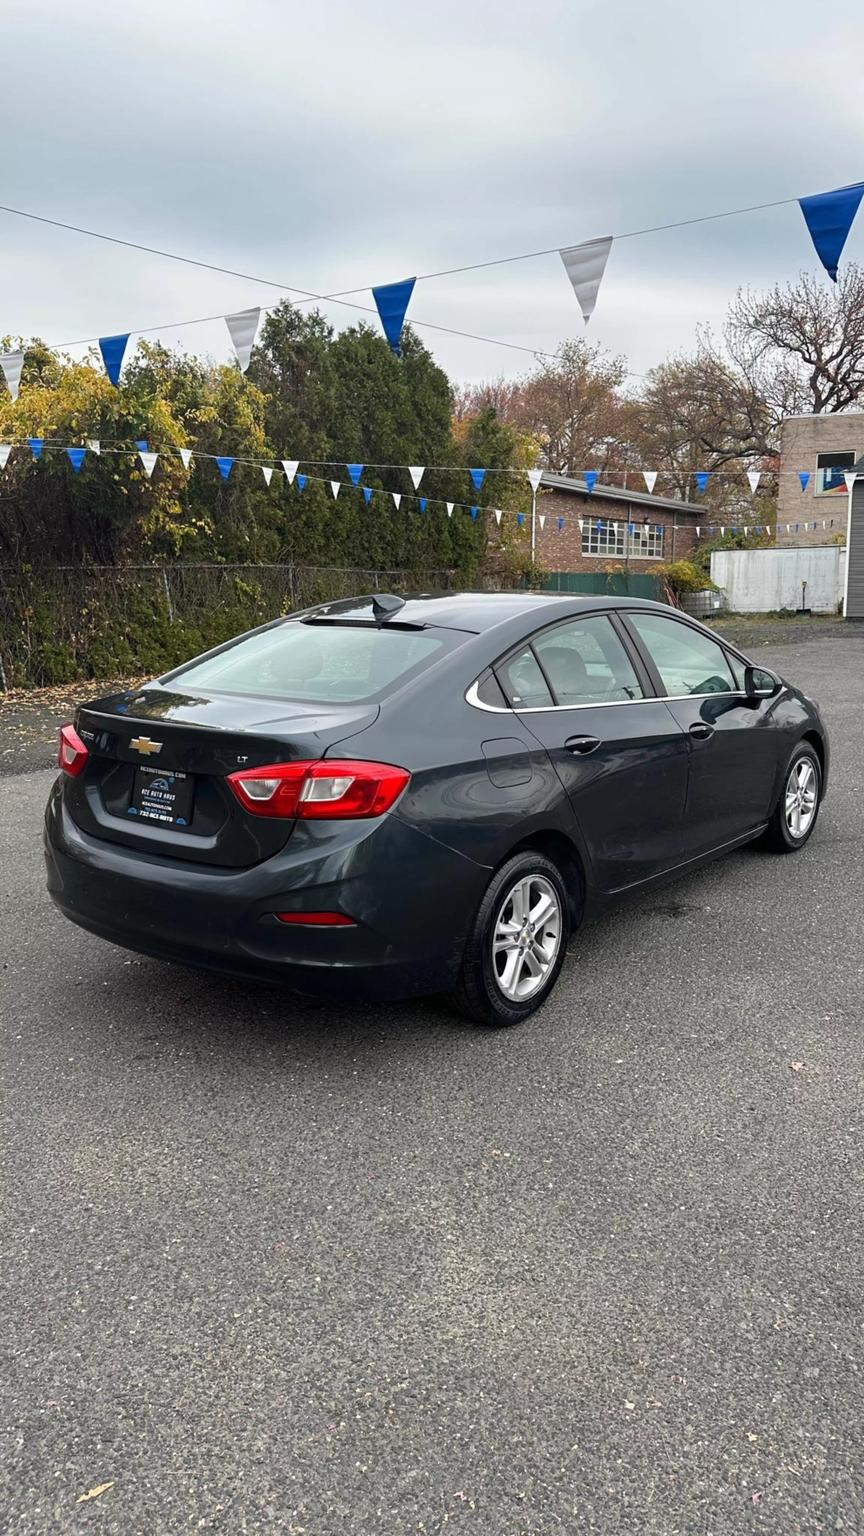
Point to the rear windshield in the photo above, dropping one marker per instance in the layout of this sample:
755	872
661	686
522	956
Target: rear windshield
320	661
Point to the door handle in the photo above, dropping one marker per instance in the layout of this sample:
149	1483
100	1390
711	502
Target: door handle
582	744
701	731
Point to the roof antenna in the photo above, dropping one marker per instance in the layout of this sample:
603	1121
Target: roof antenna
386	603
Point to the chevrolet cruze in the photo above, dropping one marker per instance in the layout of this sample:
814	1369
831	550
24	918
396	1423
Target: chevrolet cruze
389	796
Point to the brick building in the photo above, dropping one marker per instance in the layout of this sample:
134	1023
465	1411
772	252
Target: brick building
638	530
824	447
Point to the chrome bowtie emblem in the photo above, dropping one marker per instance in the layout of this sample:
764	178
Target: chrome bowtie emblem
145	745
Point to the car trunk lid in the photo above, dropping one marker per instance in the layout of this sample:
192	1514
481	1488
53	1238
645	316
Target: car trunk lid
158	760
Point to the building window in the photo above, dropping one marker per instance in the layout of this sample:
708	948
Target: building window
830	470
601	537
614	540
646	541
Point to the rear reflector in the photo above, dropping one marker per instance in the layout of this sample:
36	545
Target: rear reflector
317	919
330	789
71	751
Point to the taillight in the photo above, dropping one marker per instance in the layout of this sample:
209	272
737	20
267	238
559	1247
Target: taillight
317	919
333	788
71	751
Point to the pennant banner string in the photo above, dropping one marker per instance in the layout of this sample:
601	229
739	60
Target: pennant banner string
343	296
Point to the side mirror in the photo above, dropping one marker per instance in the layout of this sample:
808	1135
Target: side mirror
759	684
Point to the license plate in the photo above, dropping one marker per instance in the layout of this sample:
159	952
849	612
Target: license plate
162	797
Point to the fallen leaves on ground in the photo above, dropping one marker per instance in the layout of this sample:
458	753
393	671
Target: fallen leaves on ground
94	1493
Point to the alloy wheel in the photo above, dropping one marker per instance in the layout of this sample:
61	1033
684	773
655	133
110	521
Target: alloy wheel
802	793
526	937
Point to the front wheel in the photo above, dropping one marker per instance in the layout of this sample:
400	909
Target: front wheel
797	807
517	946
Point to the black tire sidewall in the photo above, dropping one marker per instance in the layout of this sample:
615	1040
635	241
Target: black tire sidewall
479	988
780	830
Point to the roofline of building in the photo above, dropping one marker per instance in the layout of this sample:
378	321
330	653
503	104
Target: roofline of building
821	416
617	493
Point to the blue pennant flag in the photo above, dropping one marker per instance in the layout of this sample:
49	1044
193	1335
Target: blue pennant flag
367	495
36	446
590	478
474	514
392	302
702	480
797	526
631	529
560	524
300	482
355	471
113	349
422	503
599	525
224	467
141	444
804	477
520	518
477	477
829	217
76	457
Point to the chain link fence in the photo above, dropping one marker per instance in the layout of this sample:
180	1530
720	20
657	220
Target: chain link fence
61	624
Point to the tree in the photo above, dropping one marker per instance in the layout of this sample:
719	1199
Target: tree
801	347
699	413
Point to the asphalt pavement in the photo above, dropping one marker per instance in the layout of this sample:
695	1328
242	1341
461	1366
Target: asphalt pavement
319	1271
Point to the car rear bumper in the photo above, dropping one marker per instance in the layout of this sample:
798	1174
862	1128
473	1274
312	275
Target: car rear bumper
412	901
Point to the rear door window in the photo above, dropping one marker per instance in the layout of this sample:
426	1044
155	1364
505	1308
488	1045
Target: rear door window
586	663
523	682
322	662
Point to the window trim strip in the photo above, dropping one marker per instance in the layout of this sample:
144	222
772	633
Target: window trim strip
548	709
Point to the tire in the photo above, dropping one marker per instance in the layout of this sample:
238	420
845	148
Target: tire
803	776
532	969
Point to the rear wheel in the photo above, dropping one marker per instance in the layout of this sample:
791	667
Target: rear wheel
797	806
517	946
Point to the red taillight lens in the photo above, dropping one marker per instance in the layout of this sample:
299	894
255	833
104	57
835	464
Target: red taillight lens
71	751
317	919
333	788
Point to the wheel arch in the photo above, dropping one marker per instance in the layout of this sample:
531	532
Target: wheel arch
564	854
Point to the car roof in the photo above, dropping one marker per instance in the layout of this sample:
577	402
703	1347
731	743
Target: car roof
475	612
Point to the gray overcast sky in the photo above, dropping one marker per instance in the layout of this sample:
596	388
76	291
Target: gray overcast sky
334	144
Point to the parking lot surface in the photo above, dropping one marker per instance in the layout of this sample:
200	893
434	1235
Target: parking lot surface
280	1269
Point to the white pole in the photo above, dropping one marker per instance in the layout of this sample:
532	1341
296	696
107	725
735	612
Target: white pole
848	543
533	523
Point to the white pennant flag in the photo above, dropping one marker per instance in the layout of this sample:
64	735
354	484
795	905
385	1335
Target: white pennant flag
397	499
267	472
416	471
746	533
149	462
753	478
850	477
242	329
650	478
335	488
5	450
722	533
498	517
534	478
585	265
450	505
186	456
94	445
581	525
12	363
290	467
542	520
